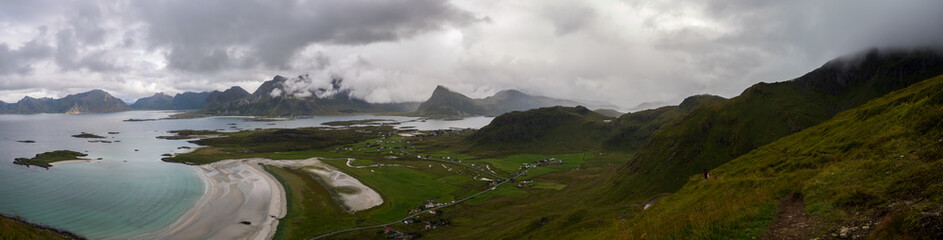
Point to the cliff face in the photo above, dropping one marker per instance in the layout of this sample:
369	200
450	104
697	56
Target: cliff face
95	101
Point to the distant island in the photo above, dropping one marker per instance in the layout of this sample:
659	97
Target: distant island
45	159
86	135
95	101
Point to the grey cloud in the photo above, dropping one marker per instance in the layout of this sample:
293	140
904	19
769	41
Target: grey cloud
567	19
752	41
72	55
622	52
201	35
87	22
20	60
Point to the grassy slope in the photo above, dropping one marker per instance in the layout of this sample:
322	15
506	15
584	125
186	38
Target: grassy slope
14	229
712	134
560	129
632	130
556	207
879	162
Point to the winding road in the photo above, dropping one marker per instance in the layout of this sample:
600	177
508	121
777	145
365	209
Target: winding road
416	214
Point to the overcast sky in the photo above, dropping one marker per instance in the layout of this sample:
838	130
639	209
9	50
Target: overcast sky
621	52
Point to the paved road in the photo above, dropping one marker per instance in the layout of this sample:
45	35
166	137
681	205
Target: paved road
415	214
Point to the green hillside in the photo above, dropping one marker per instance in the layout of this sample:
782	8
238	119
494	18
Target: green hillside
553	129
710	135
15	228
632	130
608	112
874	168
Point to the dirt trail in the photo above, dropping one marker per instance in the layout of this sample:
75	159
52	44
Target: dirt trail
791	222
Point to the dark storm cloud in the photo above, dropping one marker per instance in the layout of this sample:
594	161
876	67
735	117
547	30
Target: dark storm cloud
216	34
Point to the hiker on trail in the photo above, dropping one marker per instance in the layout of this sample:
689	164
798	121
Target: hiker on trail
706	174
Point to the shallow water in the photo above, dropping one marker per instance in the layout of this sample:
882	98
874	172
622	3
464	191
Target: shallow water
130	191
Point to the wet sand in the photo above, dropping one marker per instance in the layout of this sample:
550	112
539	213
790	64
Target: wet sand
235	191
240	190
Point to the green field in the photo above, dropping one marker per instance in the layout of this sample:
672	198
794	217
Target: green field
311	209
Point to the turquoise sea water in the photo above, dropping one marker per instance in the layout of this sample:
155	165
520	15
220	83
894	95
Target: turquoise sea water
130	191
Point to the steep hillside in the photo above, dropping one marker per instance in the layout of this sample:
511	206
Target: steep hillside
217	102
181	101
29	105
95	101
872	171
558	129
156	102
189	100
446	103
632	130
713	134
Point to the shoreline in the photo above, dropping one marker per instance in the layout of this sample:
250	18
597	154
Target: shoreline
61	232
70	161
362	198
237	190
234	191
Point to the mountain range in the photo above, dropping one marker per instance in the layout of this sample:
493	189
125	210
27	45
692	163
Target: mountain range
181	101
95	101
272	99
445	103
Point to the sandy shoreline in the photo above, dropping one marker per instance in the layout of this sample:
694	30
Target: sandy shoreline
70	161
234	191
240	190
361	198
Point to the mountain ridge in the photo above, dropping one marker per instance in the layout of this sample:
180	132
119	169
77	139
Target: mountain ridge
710	135
445	103
94	101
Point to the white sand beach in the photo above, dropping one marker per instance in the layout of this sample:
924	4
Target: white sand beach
70	161
362	198
240	190
236	190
